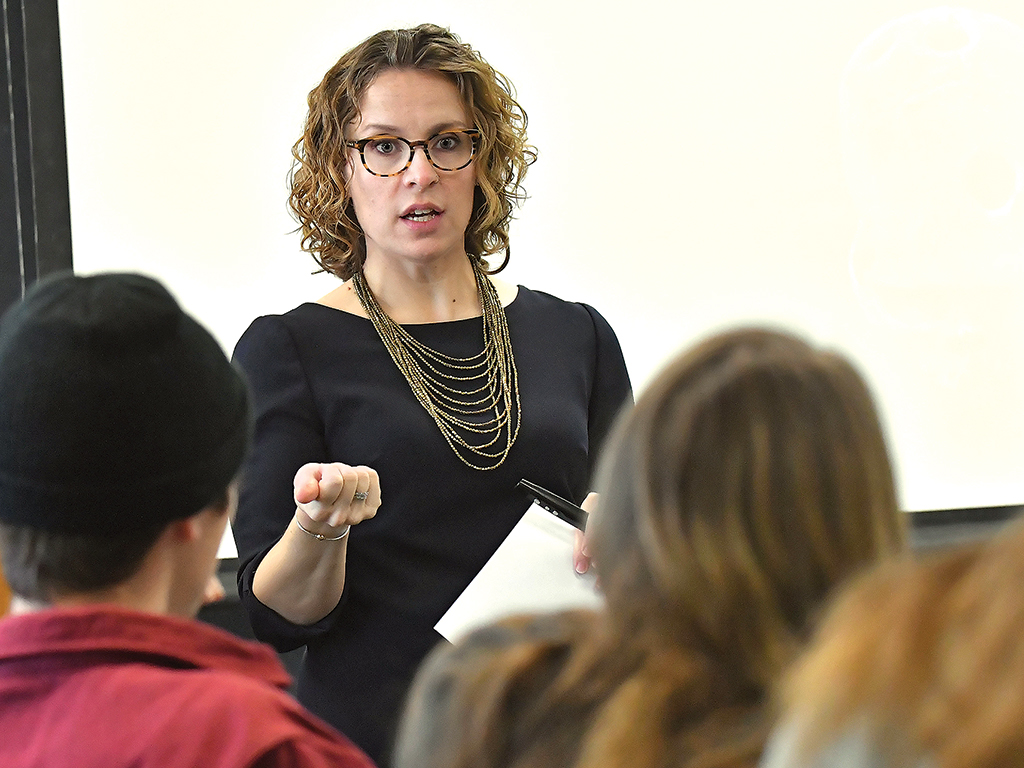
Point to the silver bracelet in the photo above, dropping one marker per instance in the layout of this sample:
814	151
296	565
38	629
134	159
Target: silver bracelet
320	536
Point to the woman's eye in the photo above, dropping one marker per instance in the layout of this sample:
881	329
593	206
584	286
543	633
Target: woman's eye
447	143
383	147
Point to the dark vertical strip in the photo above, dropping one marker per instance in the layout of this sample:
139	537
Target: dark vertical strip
11	278
35	221
16	47
46	131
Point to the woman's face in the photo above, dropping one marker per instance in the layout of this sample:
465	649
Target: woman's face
420	216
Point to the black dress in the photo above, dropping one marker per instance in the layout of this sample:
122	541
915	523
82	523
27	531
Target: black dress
325	389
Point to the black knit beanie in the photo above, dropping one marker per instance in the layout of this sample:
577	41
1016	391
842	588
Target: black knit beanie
118	411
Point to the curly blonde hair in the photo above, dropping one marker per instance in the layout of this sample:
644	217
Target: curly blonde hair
319	195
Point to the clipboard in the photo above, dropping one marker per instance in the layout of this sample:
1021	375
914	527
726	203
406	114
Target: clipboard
530	572
556	505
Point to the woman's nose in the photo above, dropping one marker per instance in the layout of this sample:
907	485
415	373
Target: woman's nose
420	170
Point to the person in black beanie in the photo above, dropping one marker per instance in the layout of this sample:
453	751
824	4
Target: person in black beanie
122	429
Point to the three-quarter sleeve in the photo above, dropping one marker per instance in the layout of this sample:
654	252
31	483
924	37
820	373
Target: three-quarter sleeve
288	433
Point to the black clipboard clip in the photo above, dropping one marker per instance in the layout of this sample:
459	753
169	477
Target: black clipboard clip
556	505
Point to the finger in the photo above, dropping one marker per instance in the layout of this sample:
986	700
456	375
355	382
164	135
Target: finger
365	496
369	484
306	484
580	559
362	490
317	486
336	484
590	505
339	493
581	546
373	496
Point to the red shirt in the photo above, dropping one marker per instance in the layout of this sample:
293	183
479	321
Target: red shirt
107	687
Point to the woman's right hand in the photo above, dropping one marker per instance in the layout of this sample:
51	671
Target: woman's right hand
302	577
334	495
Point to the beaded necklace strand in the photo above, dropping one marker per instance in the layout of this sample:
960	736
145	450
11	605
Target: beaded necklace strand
460	393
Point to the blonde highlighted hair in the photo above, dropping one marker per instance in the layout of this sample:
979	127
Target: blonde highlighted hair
919	662
320	197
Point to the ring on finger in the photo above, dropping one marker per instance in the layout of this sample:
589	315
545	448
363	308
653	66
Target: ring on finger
360	495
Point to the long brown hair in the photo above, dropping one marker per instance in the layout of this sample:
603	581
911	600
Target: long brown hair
922	659
489	700
319	192
749	480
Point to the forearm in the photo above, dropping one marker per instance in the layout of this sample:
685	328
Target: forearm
301	578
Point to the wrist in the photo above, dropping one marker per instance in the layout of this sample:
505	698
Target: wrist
317	530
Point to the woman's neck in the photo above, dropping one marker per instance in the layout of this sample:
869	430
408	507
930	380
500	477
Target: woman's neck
413	299
430	294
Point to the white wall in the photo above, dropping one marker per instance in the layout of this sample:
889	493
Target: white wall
691	175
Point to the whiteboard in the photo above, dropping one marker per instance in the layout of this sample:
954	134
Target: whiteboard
848	170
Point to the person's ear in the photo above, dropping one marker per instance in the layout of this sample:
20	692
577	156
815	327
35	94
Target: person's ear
192	527
187	529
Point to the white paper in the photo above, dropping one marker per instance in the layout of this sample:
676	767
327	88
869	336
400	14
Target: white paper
531	572
227	549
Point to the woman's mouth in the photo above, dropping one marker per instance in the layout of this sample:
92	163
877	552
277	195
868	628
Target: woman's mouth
421	214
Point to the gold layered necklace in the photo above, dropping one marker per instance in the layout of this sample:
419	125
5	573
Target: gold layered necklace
474	400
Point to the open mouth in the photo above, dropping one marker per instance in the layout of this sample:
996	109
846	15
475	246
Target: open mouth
421	214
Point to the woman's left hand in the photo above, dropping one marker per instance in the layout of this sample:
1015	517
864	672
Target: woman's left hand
581	551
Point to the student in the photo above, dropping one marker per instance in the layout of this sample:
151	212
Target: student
919	663
750	480
122	428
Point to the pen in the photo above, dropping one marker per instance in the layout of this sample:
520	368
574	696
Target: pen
556	505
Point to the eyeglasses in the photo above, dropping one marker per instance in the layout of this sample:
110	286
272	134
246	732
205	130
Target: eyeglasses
391	155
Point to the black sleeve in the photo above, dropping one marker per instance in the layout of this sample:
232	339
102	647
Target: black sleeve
288	434
611	391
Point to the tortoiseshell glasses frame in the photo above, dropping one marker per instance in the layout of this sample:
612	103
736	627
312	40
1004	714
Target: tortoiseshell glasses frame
455	156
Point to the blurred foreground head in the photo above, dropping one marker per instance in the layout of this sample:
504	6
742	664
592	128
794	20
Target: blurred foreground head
750	478
918	664
119	413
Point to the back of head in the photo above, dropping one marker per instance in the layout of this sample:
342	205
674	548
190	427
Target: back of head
494	700
119	413
919	662
749	479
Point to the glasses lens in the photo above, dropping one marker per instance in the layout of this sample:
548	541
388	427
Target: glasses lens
386	155
450	151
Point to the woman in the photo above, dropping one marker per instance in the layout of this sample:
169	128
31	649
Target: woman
416	394
918	663
750	479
